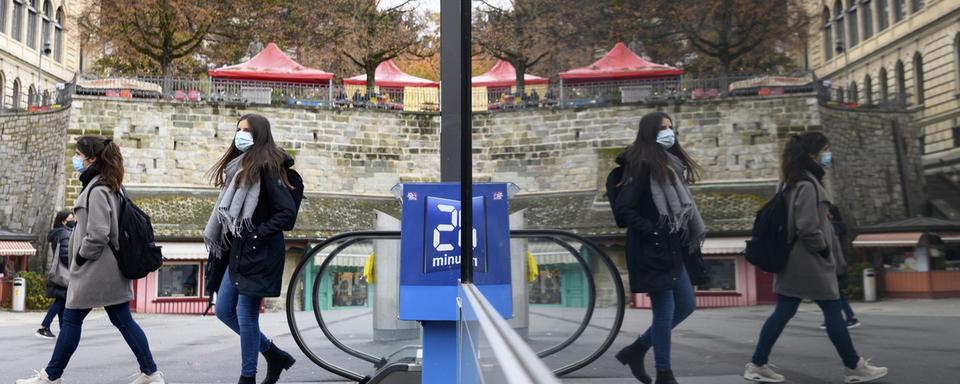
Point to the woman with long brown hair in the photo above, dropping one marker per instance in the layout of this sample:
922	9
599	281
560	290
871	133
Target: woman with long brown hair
664	236
95	279
245	238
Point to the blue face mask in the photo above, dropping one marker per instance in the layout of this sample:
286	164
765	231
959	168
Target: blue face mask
826	159
667	138
78	164
243	141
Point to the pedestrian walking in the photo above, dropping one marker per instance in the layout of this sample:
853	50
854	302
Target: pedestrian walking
245	238
843	280
664	235
811	268
95	279
59	272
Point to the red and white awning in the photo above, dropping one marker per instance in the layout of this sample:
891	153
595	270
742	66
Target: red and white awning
16	248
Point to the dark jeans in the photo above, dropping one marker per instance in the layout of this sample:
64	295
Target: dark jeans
70	338
784	311
670	307
56	309
842	282
242	314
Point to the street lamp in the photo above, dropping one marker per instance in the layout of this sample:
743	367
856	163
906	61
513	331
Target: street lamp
45	51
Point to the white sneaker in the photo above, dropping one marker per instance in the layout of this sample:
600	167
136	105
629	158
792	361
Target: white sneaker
41	378
864	372
155	378
762	374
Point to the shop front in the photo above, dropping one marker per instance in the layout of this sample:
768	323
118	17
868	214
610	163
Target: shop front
177	287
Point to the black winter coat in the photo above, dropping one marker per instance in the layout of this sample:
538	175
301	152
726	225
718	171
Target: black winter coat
655	257
59	238
256	258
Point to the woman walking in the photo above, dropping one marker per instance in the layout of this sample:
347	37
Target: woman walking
812	267
95	278
245	237
664	236
59	271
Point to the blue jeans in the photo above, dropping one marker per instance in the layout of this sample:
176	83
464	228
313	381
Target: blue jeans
120	317
670	307
56	309
242	314
784	311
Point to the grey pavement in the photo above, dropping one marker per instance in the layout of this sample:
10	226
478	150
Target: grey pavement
917	339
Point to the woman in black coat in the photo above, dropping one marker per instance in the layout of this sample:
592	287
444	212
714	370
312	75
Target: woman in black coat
59	238
664	235
245	239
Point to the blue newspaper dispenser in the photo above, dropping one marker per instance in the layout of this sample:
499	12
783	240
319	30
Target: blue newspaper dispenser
430	264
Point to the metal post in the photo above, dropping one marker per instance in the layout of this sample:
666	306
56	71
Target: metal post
561	93
455	125
330	91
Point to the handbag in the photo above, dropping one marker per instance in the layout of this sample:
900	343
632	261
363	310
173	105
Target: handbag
58	274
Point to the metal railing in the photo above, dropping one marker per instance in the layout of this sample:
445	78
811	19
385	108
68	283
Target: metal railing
44	100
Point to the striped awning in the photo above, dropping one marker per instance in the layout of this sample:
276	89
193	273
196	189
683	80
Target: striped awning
183	251
353	256
724	245
888	240
547	252
16	248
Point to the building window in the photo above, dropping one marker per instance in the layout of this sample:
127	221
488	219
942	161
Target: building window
47	20
854	93
901	83
956	61
58	36
916	5
16	29
3	16
883	14
883	85
852	20
840	95
178	280
918	76
723	274
956	137
46	97
827	35
838	17
899	10
31	96
32	24
866	14
15	102
868	90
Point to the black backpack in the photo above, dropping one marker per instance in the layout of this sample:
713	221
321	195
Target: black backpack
138	254
613	190
297	192
769	246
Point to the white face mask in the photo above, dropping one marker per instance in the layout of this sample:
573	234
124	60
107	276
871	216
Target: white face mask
667	138
243	140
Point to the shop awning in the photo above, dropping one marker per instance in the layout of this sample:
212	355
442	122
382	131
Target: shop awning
888	240
550	253
16	248
620	64
503	74
353	256
271	64
389	75
184	251
724	245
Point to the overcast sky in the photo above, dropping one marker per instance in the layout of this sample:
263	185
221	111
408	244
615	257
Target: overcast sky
434	5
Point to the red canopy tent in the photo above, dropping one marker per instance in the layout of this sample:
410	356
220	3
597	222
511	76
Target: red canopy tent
503	74
389	75
271	64
619	64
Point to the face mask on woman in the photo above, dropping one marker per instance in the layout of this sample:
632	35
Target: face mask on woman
72	223
78	164
826	159
666	138
243	140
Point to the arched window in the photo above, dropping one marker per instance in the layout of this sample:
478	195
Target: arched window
47	20
899	10
918	76
884	91
840	95
866	16
901	83
58	36
838	18
16	29
868	90
15	102
956	61
3	91
31	96
32	24
854	93
46	97
827	35
883	14
852	22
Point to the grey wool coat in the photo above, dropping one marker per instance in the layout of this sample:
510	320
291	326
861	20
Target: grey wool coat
98	282
809	275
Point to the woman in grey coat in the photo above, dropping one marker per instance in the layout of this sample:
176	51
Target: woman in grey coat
815	260
95	278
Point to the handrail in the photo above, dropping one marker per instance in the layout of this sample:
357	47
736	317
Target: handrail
510	351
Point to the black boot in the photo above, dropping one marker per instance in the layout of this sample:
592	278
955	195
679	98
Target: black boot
247	380
277	361
666	377
632	356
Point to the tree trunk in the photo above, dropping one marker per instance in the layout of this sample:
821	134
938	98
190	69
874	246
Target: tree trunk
371	71
724	74
520	68
167	85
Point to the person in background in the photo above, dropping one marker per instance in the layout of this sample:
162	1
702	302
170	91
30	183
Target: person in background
843	280
59	271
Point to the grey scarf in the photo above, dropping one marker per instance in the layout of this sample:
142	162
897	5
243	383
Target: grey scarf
233	211
676	205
